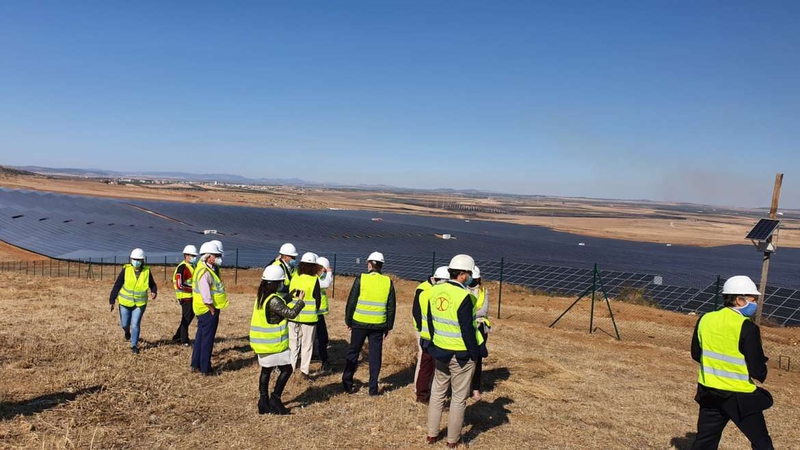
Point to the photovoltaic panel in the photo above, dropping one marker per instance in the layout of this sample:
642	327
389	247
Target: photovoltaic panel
763	229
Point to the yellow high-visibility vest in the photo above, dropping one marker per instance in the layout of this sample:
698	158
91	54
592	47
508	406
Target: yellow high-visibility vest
219	298
287	271
179	294
423	304
722	364
267	338
323	303
372	299
481	299
134	290
305	283
444	300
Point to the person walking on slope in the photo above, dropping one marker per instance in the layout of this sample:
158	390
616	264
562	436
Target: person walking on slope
484	325
325	281
130	290
182	282
423	374
369	314
269	337
455	346
286	259
727	344
303	327
208	299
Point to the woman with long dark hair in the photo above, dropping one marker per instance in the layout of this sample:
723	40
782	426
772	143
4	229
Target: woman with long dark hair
269	337
303	327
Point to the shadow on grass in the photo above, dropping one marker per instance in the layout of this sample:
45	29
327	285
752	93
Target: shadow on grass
489	378
399	379
41	403
484	416
317	394
683	443
232	365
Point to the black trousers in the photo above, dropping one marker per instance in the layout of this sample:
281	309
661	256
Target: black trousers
357	338
712	420
204	341
476	377
187	315
322	339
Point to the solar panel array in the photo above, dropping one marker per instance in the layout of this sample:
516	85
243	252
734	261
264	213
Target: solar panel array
72	227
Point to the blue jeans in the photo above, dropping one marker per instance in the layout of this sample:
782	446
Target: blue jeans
130	317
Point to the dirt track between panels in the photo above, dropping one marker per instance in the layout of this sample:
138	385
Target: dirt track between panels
70	381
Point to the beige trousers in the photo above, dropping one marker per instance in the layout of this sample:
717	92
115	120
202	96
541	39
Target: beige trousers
419	361
459	378
301	343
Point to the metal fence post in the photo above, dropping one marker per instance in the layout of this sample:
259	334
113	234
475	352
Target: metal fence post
500	291
68	268
716	293
51	268
333	284
433	263
165	267
236	269
101	268
89	270
27	263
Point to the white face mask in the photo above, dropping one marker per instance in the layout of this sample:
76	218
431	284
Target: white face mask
218	261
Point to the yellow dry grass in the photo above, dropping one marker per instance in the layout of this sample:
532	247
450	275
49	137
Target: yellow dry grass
70	381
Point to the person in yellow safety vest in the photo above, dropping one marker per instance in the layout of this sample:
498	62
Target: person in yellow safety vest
727	344
369	314
423	375
287	260
269	337
182	283
303	327
130	290
484	325
456	344
325	281
208	299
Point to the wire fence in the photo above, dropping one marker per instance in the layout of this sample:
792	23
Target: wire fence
625	305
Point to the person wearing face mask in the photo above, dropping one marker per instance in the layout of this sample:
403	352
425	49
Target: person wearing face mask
484	326
287	260
303	327
130	290
208	299
727	344
456	344
325	281
423	374
182	282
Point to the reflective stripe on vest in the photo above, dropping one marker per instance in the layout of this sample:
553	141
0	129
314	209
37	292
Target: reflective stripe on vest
323	304
134	290
424	333
218	296
481	297
267	338
444	300
305	283
722	364
372	298
180	294
287	272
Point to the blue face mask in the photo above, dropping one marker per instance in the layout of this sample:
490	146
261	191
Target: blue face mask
193	260
748	310
293	263
468	281
136	263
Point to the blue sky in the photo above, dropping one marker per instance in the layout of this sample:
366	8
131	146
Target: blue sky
665	100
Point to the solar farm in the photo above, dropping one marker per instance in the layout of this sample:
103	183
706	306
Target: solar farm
682	279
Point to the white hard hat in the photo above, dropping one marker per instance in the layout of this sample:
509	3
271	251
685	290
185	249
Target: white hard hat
740	285
376	256
210	248
273	273
190	250
462	262
442	273
309	257
476	273
323	261
288	250
137	253
219	246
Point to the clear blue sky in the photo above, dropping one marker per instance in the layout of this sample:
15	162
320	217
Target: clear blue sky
666	100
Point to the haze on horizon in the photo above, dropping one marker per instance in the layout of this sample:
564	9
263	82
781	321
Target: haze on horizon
693	102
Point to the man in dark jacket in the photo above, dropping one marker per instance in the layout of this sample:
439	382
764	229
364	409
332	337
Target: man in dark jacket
727	344
369	314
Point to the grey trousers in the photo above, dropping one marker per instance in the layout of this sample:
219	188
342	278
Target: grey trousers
460	379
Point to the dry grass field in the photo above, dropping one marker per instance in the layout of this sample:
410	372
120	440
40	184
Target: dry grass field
70	381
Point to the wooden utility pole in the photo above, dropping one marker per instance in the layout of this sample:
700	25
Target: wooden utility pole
773	211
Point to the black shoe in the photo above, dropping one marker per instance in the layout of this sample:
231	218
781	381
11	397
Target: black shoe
326	367
374	393
127	335
264	406
135	350
277	407
347	388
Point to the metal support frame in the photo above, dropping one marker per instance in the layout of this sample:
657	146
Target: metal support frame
597	282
